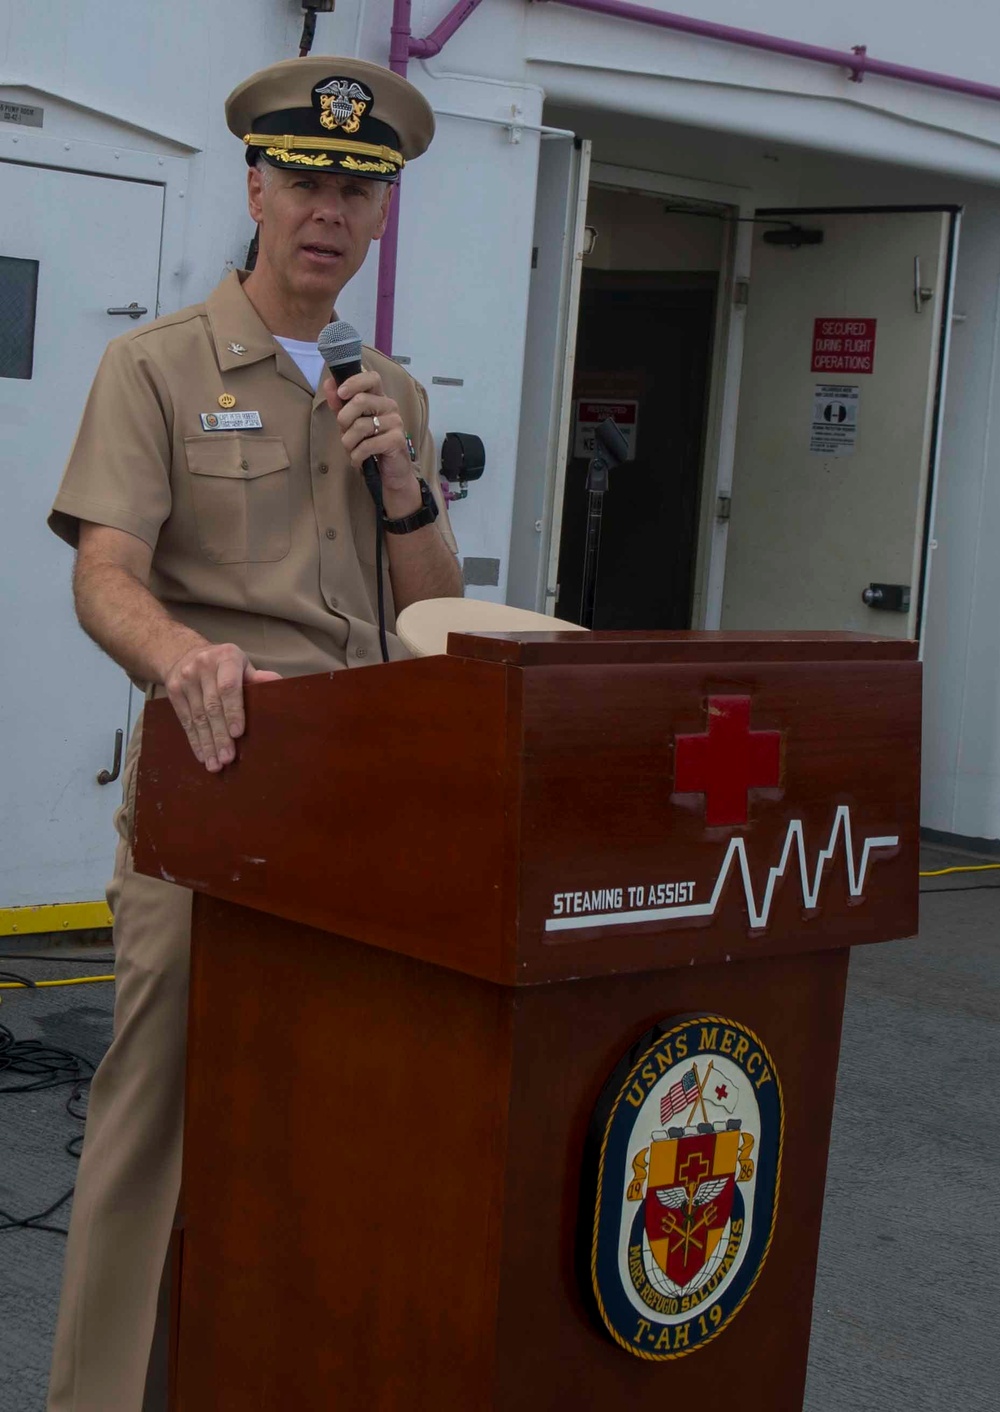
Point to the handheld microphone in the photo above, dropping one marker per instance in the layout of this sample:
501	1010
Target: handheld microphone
340	345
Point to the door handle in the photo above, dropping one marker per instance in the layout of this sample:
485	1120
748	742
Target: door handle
921	292
889	597
133	310
109	776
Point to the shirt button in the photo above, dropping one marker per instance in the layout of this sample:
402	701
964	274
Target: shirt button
361	651
322	468
331	534
245	465
333	602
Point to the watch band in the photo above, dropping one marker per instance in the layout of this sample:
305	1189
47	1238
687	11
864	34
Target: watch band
426	515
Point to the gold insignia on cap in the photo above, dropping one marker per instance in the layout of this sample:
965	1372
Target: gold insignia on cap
343	103
227	400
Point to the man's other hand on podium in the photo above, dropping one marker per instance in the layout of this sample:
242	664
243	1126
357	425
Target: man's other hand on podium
205	687
203	680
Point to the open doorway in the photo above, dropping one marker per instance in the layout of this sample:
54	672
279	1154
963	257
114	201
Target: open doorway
644	356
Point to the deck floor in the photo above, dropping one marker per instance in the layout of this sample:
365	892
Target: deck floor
905	1313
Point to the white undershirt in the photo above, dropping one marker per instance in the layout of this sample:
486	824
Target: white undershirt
307	358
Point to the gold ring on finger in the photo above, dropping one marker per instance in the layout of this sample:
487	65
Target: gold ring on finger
376	424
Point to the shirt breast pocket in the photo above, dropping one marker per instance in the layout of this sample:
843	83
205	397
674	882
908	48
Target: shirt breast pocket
241	496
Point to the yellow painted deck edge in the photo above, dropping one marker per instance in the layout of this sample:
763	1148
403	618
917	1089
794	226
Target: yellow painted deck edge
53	917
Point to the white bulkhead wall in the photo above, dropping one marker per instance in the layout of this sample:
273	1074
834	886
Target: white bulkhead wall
466	221
467	207
157	70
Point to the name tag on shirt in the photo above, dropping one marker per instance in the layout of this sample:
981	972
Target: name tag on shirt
231	421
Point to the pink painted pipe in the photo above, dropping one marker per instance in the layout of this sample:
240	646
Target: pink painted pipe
857	62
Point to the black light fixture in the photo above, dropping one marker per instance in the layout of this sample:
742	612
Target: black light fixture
793	236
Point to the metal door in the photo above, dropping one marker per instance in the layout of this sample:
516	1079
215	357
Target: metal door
71	247
840	404
547	388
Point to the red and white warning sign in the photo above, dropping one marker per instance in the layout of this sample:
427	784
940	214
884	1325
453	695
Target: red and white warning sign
624	412
843	346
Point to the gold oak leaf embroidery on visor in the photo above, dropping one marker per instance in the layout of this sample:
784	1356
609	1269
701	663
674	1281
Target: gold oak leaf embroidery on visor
354	165
301	159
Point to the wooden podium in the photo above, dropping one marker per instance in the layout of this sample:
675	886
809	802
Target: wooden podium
443	908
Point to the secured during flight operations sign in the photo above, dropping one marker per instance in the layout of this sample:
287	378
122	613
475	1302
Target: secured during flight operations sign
843	345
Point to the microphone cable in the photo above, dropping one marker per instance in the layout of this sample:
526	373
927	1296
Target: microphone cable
43	1066
374	484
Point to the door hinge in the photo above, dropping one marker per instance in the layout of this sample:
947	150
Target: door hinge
723	507
741	293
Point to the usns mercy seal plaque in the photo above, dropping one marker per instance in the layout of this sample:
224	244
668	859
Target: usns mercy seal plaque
680	1187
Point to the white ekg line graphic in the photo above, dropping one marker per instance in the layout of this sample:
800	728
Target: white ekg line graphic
856	874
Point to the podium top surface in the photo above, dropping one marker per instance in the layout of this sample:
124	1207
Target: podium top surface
425	626
519	649
546	807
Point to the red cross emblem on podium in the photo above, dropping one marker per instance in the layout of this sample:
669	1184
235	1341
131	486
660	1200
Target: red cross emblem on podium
727	761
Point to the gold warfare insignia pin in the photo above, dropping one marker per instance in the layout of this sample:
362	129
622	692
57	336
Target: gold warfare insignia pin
227	400
681	1185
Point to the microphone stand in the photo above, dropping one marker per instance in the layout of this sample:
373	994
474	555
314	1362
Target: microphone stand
610	449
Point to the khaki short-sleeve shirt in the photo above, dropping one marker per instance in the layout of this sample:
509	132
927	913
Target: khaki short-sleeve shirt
263	536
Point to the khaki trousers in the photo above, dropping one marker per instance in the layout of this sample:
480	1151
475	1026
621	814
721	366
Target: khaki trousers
130	1167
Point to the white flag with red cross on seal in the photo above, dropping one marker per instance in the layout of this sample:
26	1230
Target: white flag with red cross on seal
720	1092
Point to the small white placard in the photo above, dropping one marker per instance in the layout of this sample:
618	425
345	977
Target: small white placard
834	419
24	114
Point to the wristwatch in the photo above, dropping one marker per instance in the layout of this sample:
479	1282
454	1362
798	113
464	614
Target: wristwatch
426	515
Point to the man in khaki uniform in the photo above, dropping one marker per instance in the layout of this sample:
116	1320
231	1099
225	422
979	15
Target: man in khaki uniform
224	535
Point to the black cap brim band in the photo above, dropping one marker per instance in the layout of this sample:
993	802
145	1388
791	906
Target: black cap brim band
367	159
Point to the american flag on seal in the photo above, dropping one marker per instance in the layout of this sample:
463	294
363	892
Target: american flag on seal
680	1095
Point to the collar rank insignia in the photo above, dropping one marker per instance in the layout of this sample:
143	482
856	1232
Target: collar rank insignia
680	1185
342	103
236	348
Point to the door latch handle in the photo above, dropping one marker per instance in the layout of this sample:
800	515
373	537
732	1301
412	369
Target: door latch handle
109	776
922	293
890	597
133	310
